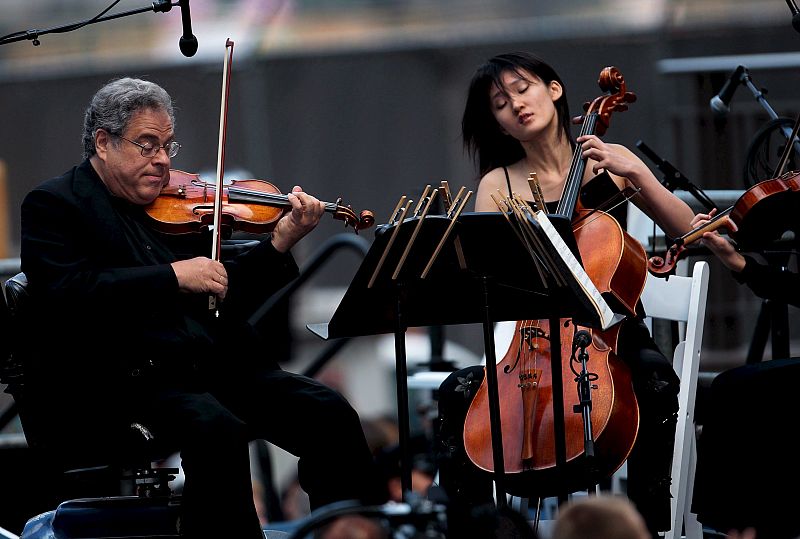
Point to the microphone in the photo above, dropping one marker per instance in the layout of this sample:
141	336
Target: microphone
582	339
795	14
187	43
720	102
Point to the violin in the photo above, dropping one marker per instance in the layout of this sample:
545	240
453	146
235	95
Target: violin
762	214
616	264
186	204
189	204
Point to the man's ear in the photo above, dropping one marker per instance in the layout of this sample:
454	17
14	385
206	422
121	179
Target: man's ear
101	142
556	91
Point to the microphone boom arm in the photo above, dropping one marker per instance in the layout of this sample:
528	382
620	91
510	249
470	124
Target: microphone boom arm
759	95
33	35
674	178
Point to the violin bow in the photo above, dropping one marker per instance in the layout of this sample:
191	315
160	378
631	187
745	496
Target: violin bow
216	232
787	151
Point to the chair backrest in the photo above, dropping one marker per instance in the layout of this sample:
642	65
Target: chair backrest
5	330
682	299
14	295
136	444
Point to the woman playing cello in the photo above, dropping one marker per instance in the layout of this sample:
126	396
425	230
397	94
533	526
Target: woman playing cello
516	121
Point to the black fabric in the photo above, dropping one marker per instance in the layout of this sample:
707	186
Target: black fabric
745	473
124	344
770	281
213	415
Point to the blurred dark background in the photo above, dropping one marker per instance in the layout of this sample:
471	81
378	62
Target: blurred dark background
363	99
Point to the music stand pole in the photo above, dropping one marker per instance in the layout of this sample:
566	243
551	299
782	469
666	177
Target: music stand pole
403	419
773	320
494	399
487	291
559	429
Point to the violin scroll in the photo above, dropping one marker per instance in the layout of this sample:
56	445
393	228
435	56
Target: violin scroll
662	266
363	220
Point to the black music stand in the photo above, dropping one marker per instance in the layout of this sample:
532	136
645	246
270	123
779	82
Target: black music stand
499	282
773	316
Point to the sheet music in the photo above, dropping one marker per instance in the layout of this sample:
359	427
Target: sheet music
607	317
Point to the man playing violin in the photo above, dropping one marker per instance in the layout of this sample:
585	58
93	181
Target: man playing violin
766	281
130	337
758	397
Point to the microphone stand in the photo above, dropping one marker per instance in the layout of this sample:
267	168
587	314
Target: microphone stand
759	95
584	379
674	178
33	35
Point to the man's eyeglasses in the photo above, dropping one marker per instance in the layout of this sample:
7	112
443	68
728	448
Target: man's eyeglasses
150	150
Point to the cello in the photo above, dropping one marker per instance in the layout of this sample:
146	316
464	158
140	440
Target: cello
524	376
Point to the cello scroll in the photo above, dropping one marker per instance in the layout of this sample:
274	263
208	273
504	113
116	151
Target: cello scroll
615	99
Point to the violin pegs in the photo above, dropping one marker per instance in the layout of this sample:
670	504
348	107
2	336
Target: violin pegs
577	119
586	106
630	97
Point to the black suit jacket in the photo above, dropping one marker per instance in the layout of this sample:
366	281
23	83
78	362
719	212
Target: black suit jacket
102	304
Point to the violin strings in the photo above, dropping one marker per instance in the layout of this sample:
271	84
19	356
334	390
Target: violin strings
259	196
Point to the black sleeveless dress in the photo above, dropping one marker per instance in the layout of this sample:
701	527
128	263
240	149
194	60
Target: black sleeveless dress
654	382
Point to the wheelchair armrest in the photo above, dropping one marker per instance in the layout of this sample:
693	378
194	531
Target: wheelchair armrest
15	295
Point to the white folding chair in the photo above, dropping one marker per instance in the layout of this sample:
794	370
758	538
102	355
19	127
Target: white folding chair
682	299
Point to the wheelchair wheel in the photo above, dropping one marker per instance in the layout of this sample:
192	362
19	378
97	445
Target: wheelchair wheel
765	150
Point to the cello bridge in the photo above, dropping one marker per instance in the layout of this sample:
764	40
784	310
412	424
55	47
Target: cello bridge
530	379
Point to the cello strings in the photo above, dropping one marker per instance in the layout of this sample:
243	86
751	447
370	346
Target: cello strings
626	197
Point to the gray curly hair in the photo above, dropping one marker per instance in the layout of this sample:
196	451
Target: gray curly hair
113	106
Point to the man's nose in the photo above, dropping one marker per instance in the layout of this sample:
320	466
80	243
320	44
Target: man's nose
162	155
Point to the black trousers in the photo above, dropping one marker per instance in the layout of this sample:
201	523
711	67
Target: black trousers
649	464
212	415
746	476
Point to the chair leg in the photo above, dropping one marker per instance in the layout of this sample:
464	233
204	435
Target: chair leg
693	528
520	505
